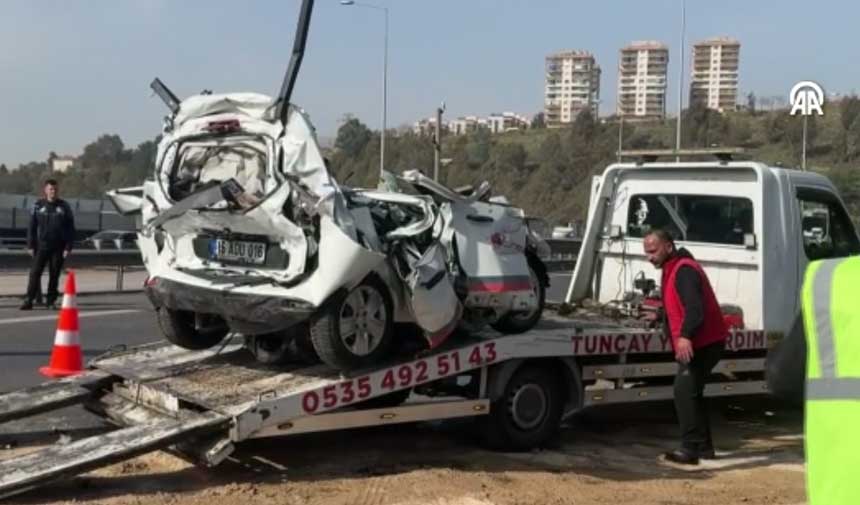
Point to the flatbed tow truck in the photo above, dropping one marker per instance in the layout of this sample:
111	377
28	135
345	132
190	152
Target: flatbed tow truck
745	225
199	404
742	220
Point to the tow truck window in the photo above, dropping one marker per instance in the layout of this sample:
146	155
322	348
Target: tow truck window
694	218
825	226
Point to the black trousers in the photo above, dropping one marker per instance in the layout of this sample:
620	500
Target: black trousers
690	403
53	258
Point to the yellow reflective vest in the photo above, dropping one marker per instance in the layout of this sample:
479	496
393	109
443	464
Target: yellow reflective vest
831	319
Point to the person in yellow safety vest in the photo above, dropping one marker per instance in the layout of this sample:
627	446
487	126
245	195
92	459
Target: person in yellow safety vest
831	320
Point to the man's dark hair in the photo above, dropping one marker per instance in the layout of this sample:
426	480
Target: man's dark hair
662	234
50	182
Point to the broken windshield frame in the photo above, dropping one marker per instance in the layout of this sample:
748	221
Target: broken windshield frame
164	175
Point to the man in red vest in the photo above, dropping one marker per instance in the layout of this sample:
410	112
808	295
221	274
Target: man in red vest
695	324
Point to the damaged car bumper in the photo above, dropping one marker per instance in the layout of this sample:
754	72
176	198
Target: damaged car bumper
243	312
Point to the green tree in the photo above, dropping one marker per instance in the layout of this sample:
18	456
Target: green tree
352	136
538	121
849	109
584	127
751	103
104	152
478	148
3	169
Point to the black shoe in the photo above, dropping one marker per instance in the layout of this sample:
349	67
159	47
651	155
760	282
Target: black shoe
27	305
682	457
707	453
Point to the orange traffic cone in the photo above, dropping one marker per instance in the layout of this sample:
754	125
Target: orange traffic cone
66	358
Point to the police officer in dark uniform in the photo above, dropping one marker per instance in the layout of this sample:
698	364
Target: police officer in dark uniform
49	239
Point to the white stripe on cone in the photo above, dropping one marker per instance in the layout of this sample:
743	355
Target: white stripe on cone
69	302
67	337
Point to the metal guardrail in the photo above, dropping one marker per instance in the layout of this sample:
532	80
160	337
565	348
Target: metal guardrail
564	249
21	259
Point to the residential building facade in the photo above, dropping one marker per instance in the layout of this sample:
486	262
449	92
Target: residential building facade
714	73
642	69
572	85
506	121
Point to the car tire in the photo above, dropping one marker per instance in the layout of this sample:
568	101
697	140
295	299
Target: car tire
518	322
527	415
178	328
367	310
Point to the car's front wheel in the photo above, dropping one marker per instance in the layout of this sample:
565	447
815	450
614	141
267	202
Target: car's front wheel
179	328
355	330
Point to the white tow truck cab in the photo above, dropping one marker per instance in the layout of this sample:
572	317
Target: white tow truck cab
746	222
753	227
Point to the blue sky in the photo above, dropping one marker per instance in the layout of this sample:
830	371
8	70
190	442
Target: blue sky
72	70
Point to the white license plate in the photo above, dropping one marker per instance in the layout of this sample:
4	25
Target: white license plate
238	250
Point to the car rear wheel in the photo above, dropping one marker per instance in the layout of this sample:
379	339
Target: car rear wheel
179	328
355	330
521	322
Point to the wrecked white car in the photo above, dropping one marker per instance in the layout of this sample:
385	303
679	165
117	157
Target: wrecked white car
243	229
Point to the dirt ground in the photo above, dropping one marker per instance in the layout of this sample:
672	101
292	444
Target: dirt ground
604	456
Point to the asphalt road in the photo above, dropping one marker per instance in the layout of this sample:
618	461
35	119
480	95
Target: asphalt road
26	340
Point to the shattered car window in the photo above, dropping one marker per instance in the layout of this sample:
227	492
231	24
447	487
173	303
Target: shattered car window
202	163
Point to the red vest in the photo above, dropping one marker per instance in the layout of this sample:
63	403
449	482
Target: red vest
713	328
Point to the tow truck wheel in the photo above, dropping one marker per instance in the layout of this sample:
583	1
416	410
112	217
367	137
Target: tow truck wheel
528	414
179	328
355	330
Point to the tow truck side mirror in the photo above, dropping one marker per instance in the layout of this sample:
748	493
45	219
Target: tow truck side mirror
750	241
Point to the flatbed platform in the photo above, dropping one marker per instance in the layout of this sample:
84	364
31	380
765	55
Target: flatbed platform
200	403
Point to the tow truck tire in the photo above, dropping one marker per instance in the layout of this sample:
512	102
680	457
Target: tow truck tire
178	328
528	414
369	309
518	322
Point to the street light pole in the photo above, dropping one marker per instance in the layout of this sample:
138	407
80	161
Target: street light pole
437	142
384	79
620	133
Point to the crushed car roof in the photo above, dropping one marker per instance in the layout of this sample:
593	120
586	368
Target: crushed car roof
254	105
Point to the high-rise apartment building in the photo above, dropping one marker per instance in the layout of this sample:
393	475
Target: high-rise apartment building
714	79
642	80
572	85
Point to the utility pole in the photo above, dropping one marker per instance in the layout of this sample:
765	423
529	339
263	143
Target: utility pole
620	133
680	81
437	142
803	158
